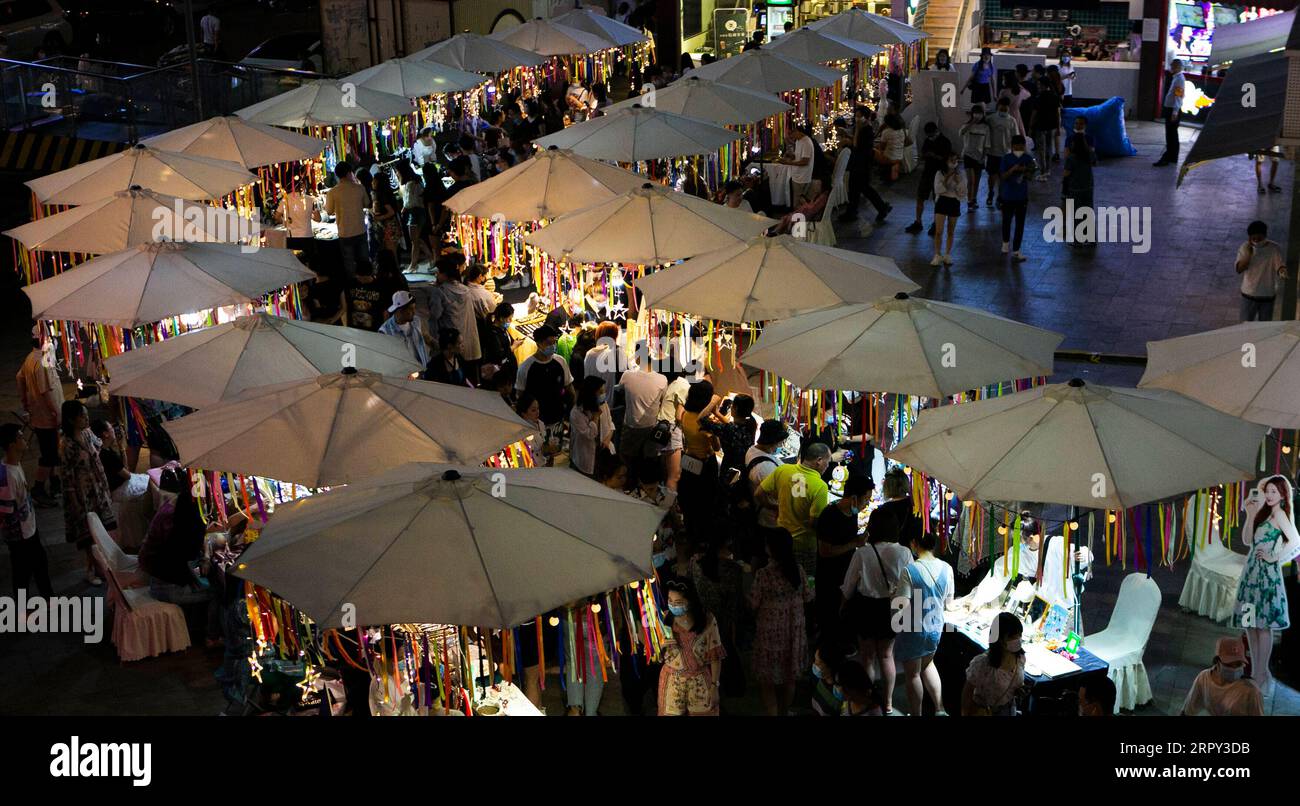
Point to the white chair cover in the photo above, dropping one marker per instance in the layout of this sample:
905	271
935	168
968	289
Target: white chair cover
839	181
134	506
1124	640
143	627
120	565
1211	586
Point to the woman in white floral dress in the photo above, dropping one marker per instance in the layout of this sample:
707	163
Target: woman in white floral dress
1269	533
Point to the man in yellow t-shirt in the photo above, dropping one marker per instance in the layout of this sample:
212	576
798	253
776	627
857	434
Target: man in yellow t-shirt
800	496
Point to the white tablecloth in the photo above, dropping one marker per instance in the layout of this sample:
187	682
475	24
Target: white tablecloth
778	176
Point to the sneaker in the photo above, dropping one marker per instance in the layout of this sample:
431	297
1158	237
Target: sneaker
1275	188
1160	164
973	206
1006	247
913	228
1262	190
1018	256
930	231
936	260
880	217
947	260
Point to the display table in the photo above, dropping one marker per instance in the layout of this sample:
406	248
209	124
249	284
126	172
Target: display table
778	180
511	701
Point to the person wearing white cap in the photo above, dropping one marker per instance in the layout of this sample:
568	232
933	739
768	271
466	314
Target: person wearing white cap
404	324
1222	689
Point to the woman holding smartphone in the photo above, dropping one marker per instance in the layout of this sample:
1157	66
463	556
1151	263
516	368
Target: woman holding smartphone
1270	534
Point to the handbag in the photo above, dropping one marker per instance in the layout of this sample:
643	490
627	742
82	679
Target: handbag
692	464
662	433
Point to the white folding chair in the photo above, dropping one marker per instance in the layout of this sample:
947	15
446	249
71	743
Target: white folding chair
839	181
1212	579
1124	641
124	567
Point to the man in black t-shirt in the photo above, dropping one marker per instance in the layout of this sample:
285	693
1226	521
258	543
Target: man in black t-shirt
546	377
837	538
934	155
368	299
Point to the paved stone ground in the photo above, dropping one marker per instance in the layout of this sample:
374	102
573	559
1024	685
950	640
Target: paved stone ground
1109	301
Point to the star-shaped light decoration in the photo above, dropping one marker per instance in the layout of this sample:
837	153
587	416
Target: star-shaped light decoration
309	681
255	666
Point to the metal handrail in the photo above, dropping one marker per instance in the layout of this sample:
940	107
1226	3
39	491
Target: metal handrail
957	30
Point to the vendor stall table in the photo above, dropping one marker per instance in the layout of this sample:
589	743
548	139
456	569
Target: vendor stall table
957	648
510	700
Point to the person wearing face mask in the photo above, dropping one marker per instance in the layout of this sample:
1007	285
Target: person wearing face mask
1013	193
995	678
935	150
1002	127
1080	127
975	134
1260	263
828	659
1222	689
407	326
837	538
949	190
800	495
692	658
981	79
591	429
547	377
1067	80
929	586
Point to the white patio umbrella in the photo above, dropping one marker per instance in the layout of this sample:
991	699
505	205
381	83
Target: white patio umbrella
649	225
771	278
130	218
808	45
615	33
710	101
219	363
476	53
863	26
169	172
639	133
343	426
152	281
548	38
429	543
767	71
1251	370
234	139
1081	445
326	102
415	78
905	345
554	182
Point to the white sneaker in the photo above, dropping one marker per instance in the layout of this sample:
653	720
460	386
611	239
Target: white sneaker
1006	247
1018	256
936	260
947	260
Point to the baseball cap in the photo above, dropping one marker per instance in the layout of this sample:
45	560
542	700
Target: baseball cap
1230	650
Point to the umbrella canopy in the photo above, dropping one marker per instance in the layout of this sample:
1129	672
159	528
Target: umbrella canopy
326	102
808	45
905	345
873	29
250	351
430	543
710	101
1238	128
767	71
1251	370
649	226
615	33
169	172
415	78
771	278
344	426
639	133
552	183
1089	446
476	53
150	282
130	218
234	139
548	38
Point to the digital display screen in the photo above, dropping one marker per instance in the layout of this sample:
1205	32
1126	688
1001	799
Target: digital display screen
1190	15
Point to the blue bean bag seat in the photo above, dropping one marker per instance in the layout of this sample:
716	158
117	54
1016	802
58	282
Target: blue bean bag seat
1105	127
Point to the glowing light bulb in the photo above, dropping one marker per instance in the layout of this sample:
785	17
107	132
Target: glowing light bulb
1074	524
1002	530
555	621
1111	517
968	503
595	608
1286	449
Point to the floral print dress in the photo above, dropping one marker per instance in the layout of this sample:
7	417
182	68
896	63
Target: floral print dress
686	684
781	643
1261	598
85	487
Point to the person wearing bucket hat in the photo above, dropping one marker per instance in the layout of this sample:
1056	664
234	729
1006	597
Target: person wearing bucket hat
403	323
1222	689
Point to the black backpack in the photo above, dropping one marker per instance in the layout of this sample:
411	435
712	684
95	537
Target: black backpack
740	498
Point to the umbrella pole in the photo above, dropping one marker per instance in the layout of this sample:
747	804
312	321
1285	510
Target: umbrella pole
1292	246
